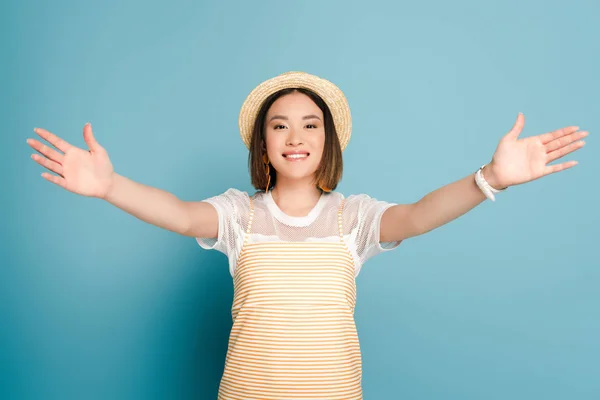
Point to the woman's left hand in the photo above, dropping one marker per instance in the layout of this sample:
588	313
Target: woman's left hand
518	161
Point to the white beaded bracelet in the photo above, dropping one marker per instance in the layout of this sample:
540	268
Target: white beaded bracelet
484	186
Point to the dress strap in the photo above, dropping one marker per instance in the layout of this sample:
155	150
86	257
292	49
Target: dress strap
250	218
341	229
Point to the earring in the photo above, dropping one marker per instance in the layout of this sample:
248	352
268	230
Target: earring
267	171
323	188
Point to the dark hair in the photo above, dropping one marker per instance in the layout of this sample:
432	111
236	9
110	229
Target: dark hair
329	172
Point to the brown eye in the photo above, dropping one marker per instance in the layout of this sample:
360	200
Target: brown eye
276	126
311	125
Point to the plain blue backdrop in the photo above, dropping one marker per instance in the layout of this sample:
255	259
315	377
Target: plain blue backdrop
502	303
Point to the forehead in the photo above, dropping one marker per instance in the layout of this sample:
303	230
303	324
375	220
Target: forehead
294	103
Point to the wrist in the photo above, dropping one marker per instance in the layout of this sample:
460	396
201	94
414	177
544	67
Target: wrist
110	187
491	177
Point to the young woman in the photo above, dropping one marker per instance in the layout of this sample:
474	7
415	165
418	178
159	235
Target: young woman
295	246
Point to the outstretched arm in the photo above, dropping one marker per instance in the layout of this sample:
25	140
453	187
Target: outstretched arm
515	161
91	173
163	209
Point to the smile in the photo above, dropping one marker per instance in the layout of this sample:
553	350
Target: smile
296	157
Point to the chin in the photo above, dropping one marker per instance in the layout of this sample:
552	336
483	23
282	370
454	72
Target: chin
295	168
292	173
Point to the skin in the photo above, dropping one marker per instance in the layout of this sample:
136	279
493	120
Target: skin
515	161
286	130
91	173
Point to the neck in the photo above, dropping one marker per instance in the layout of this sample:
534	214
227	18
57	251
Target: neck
295	197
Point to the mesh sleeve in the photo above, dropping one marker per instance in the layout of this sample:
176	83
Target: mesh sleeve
363	215
232	209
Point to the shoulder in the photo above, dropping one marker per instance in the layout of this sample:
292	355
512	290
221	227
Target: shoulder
357	198
236	193
231	194
364	208
230	200
363	201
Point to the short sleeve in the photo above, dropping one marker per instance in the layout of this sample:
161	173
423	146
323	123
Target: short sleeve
232	209
362	215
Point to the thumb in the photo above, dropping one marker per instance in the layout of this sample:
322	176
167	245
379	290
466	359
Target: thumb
89	138
517	127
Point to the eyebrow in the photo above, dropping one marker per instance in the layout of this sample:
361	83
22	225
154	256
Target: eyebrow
311	116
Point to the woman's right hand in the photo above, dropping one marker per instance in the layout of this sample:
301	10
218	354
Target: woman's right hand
88	173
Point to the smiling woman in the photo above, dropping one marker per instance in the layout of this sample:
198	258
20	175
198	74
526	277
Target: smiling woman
306	126
295	246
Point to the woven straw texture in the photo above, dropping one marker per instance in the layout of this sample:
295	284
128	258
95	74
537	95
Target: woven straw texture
330	93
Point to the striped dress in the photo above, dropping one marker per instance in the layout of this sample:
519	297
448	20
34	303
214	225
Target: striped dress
293	334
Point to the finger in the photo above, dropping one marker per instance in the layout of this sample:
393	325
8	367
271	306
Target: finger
46	150
88	136
517	127
565	140
560	167
51	165
57	142
55	179
550	136
563	151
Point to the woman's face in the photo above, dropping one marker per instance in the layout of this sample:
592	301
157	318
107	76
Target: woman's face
294	125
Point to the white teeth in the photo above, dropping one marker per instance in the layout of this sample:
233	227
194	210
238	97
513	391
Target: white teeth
296	155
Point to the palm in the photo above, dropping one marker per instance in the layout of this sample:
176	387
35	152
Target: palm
87	173
518	161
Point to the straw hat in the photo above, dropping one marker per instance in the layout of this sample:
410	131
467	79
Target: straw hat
331	94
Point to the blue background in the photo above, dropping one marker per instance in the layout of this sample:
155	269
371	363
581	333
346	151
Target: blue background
501	303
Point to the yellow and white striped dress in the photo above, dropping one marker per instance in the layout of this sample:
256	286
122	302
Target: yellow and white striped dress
294	334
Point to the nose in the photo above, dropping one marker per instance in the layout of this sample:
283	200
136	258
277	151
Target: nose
294	138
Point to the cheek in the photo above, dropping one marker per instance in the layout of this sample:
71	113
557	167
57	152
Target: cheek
272	145
319	144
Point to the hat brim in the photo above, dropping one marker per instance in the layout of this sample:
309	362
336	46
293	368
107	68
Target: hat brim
330	93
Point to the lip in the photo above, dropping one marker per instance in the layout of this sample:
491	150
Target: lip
295	152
